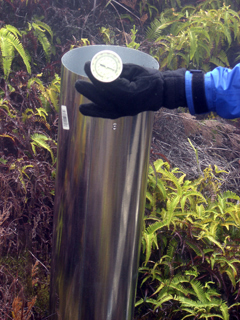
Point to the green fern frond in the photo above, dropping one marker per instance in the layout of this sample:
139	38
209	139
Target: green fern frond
192	44
149	241
187	197
224	310
165	297
206	48
39	140
178	288
156	28
53	91
39	30
216	61
156	226
230	195
42	113
186	302
171	206
37	24
13	30
46	45
171	249
8	43
5	104
195	248
231	277
49	94
199	291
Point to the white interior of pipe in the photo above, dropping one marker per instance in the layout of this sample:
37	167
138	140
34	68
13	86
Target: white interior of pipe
74	60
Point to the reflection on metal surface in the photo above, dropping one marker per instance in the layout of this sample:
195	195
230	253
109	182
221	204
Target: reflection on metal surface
100	198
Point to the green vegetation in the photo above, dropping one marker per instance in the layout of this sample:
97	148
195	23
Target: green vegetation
190	256
194	38
9	41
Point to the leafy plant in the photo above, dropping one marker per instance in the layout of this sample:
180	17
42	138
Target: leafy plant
9	42
145	6
190	265
133	44
40	140
107	34
47	94
39	30
197	39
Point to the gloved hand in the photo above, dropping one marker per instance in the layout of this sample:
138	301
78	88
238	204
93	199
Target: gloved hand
137	89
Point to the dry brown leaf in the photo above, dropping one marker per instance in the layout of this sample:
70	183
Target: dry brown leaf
17	306
144	18
129	3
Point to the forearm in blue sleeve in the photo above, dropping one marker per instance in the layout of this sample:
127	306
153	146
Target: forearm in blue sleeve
222	92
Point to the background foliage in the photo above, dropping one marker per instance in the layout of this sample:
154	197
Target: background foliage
190	258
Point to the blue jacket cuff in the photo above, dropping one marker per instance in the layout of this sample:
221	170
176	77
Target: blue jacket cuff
188	91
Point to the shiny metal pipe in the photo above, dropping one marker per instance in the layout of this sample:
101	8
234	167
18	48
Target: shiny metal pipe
100	197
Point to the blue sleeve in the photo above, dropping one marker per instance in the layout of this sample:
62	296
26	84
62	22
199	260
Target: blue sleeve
222	90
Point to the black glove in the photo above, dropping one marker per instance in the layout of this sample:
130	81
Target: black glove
137	89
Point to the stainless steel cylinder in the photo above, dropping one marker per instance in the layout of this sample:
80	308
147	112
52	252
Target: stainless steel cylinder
100	197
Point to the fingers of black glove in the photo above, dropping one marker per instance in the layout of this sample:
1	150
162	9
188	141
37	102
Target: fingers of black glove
93	110
91	92
84	87
87	69
132	71
102	106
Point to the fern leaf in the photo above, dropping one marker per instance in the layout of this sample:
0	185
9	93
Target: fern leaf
7	50
43	26
158	164
197	249
224	310
160	301
42	113
9	42
231	277
171	206
191	313
13	30
192	44
230	195
227	34
190	194
216	61
5	104
213	240
198	289
162	189
44	43
171	249
139	302
156	226
53	91
40	141
186	302
150	240
179	288
157	26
